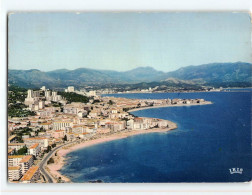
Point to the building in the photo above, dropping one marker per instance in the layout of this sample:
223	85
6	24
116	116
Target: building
60	125
32	175
12	139
43	88
14	160
26	163
43	142
11	151
14	173
58	134
41	104
34	149
70	89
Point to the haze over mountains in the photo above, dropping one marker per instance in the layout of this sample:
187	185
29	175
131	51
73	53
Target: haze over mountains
207	74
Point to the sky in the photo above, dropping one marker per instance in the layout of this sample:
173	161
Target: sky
124	41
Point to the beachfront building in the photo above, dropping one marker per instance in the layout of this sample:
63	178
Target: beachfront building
26	163
103	130
34	149
32	175
14	173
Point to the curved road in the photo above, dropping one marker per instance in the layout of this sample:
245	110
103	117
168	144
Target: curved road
44	161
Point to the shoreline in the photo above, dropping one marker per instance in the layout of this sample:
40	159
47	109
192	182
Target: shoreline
172	105
60	159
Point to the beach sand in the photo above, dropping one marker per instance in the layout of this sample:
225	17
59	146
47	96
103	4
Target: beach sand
54	168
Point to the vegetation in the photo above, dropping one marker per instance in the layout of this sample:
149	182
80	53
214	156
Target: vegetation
50	161
56	104
96	101
126	109
41	129
110	102
22	151
20	132
17	110
49	148
74	97
16	95
64	138
207	73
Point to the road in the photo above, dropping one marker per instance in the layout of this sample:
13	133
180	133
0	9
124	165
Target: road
44	161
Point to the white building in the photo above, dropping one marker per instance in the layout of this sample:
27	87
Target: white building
43	88
14	173
70	89
34	150
14	160
43	142
41	104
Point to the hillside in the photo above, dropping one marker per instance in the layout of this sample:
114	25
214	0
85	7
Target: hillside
227	74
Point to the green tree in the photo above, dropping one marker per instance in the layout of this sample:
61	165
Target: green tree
22	151
110	102
65	138
50	161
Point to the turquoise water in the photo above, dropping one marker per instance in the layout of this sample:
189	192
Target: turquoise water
210	140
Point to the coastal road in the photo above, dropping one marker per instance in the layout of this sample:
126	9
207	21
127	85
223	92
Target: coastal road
44	161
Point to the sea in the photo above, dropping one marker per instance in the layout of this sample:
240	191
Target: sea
211	144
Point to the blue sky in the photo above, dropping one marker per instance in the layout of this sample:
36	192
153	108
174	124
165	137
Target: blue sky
123	41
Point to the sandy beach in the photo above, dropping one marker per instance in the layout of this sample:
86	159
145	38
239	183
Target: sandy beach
59	160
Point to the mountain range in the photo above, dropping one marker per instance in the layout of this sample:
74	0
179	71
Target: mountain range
207	74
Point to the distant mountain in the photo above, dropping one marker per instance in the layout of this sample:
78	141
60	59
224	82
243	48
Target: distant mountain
208	74
215	73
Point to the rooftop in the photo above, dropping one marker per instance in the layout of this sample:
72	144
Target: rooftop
14	168
16	156
26	158
28	175
34	146
11	137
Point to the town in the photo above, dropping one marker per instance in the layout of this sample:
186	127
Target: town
44	121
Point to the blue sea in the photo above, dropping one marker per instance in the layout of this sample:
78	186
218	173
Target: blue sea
209	140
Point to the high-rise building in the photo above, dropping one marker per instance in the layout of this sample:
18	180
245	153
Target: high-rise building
30	93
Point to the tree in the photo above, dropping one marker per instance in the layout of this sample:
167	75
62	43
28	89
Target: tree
22	151
50	161
49	148
110	102
65	138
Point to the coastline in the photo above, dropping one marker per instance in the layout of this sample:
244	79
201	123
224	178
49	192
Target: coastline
173	105
54	168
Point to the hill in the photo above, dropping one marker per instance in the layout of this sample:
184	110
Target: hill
215	74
